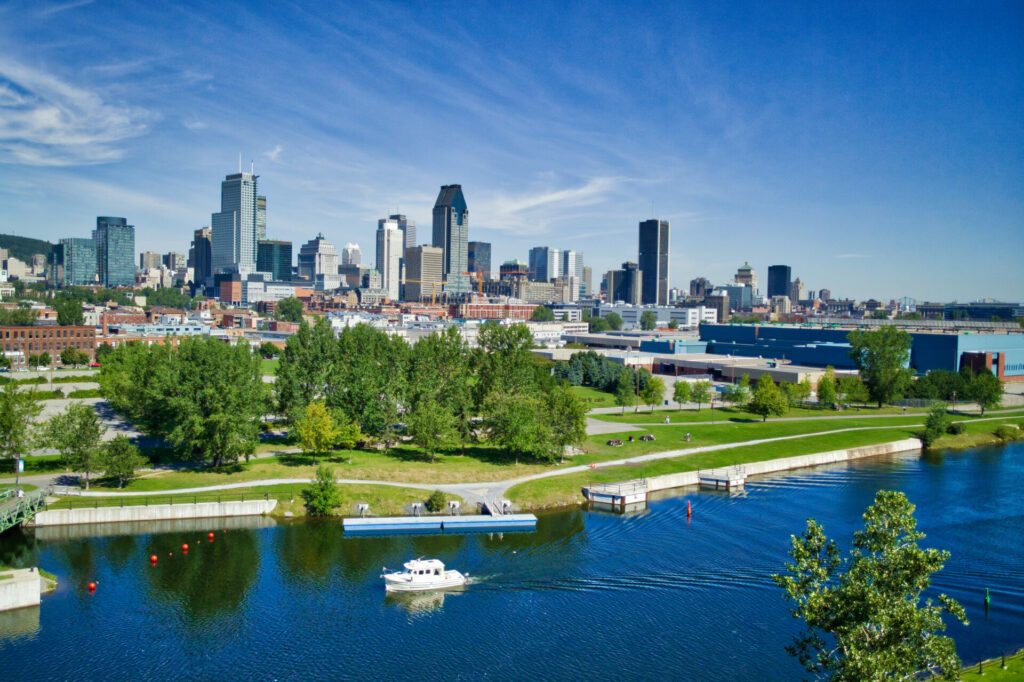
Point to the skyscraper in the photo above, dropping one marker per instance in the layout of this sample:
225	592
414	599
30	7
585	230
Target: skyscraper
390	249
79	261
115	251
351	254
545	263
261	218
173	260
479	259
149	260
408	228
201	256
625	285
235	227
274	256
423	272
746	275
653	261
451	234
572	264
318	257
779	279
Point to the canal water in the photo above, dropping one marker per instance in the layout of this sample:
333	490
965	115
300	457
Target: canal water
646	596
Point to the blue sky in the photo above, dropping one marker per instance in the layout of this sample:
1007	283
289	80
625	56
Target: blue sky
878	148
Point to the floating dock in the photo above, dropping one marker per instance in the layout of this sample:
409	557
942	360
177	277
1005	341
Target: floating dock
731	477
629	495
438	524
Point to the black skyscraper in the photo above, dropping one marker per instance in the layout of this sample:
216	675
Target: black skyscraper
653	261
779	279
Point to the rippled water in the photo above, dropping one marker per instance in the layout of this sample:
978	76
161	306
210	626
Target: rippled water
589	594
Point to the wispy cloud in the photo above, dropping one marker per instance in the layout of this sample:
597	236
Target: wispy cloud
195	124
50	10
847	256
275	153
45	121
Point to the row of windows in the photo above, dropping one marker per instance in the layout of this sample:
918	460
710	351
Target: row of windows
40	333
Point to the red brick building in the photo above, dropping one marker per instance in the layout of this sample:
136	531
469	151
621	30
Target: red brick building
52	339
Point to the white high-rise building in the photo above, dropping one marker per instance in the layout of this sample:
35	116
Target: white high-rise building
390	252
235	227
545	263
351	254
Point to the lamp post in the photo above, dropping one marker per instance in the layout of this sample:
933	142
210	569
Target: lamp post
712	409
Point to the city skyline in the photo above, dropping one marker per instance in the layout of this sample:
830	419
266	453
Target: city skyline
844	155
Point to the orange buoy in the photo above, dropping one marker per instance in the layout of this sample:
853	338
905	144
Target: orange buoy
689	510
153	558
184	547
92	587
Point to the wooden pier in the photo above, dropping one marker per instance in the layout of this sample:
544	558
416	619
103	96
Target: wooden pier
617	495
725	478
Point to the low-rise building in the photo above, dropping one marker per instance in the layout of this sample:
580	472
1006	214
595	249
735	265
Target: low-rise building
52	339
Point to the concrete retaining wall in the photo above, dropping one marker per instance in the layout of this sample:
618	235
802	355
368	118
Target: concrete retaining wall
155	512
19	588
783	463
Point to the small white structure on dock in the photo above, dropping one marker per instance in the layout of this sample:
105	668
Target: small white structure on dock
617	495
725	478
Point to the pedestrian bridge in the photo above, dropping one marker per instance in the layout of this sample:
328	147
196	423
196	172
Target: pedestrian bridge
15	509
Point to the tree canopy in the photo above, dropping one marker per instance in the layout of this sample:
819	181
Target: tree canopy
768	399
289	309
542	313
882	355
863	615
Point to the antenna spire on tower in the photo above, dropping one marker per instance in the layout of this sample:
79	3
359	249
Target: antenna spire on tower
239	162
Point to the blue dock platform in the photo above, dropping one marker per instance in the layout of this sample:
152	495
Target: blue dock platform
439	524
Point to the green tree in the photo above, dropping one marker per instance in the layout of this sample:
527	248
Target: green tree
436	502
44	359
505	361
5	362
542	313
289	309
648	320
853	390
77	434
652	392
308	368
863	616
681	393
739	393
18	410
936	425
827	389
985	389
432	427
72	357
567	416
625	393
17	317
439	370
121	459
768	399
322	498
316	430
700	393
269	350
69	311
797	393
347	433
614	321
673	324
882	356
518	425
598	324
370	381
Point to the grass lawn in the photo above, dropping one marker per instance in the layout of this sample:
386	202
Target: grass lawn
737	414
565	490
269	366
10	486
992	670
593	397
383	500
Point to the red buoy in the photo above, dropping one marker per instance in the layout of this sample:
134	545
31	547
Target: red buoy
92	587
689	511
184	547
210	535
152	558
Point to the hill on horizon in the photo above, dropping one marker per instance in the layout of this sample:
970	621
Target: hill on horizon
23	248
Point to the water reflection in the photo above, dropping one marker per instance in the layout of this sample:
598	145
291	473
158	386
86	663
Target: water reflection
211	579
419	603
19	622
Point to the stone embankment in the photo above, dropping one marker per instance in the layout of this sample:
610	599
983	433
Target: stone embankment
155	512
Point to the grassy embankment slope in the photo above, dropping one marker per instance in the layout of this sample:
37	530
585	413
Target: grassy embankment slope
992	669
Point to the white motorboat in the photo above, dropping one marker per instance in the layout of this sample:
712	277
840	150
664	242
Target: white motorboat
422	575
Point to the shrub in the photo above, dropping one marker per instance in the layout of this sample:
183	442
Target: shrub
956	428
1007	432
436	502
322	498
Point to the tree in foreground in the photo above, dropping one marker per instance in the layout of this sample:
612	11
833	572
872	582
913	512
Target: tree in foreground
864	616
77	434
316	430
121	459
700	393
432	427
882	356
681	393
567	415
18	409
768	399
322	498
827	390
